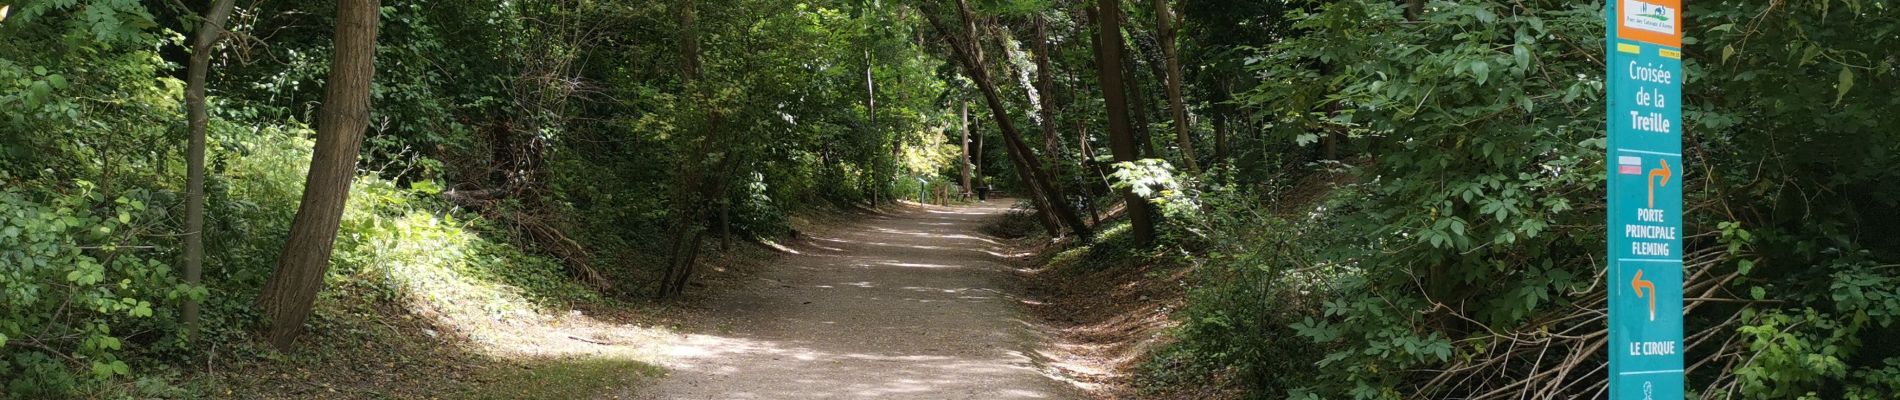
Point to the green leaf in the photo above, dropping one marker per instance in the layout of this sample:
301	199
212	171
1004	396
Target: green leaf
1847	83
1727	51
58	81
1481	70
39	70
1758	293
1744	266
41	91
101	369
1486	16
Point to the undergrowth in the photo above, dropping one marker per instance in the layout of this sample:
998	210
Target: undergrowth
398	247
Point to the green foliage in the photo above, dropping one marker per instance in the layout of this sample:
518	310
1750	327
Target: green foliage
1470	221
75	289
569	104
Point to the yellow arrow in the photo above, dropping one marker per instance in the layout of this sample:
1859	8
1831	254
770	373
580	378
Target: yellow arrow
1663	172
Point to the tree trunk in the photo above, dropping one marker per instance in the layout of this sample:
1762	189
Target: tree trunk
725	222
976	162
1164	29
1046	194
292	289
1045	85
686	231
1138	106
870	105
198	118
1220	137
1013	143
1120	136
963	110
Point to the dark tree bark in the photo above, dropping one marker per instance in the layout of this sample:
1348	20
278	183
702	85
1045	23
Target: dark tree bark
1138	105
1120	137
976	160
208	35
1048	197
1223	109
1045	85
1164	32
293	287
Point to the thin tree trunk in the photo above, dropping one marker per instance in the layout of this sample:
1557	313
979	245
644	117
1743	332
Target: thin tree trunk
870	105
293	287
1045	85
976	163
1164	28
1030	169
1220	136
963	111
1120	136
725	223
198	117
686	229
1138	107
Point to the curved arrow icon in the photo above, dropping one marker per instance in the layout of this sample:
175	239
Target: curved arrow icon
1663	172
1638	284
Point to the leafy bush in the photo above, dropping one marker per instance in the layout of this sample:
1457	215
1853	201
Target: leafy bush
76	289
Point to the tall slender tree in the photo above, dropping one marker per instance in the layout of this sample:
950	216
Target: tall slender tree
963	112
1164	32
1137	102
1045	87
1120	137
292	288
209	33
686	231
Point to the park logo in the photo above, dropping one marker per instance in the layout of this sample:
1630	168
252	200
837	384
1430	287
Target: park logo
1650	17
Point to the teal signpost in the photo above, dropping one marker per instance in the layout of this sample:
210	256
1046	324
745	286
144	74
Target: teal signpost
1645	199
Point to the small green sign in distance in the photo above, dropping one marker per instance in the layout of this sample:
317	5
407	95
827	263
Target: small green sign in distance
1645	199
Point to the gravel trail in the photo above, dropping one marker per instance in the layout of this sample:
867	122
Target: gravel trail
910	304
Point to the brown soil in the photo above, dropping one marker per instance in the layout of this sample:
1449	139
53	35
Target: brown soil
1108	318
909	302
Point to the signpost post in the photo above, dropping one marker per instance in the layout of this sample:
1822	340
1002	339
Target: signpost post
1645	199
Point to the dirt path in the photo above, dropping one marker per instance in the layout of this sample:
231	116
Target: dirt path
910	304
